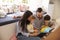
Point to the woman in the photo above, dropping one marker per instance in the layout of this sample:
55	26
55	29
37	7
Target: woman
26	20
25	25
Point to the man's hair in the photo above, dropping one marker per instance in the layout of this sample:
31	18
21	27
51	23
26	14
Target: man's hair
47	17
39	10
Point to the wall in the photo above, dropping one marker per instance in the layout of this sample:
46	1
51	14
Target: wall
34	4
56	13
50	10
45	4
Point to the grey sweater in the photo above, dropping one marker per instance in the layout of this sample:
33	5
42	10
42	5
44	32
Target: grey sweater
38	22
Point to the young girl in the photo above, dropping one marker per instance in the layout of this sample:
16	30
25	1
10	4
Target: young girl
30	27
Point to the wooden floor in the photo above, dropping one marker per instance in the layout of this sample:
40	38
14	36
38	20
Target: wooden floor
54	35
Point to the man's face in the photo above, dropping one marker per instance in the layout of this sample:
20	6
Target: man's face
39	14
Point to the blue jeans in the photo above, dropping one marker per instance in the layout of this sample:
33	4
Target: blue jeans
21	37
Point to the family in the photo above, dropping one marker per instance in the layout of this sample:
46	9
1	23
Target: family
33	27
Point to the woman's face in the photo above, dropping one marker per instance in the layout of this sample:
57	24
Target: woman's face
30	18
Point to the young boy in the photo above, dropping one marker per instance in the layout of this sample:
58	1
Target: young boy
46	28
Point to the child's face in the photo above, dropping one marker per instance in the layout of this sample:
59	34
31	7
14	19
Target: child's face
46	22
31	19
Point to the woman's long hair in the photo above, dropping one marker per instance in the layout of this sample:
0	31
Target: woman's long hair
25	21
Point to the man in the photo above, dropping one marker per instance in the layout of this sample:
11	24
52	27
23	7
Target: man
39	18
39	21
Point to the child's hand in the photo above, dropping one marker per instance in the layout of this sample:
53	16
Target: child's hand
36	31
34	34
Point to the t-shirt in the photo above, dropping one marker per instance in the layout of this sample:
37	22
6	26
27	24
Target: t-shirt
30	28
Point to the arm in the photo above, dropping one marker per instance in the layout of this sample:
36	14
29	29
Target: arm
35	33
25	34
30	34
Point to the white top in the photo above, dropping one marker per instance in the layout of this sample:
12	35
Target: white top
19	30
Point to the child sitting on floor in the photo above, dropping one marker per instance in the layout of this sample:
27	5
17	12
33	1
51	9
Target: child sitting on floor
46	27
